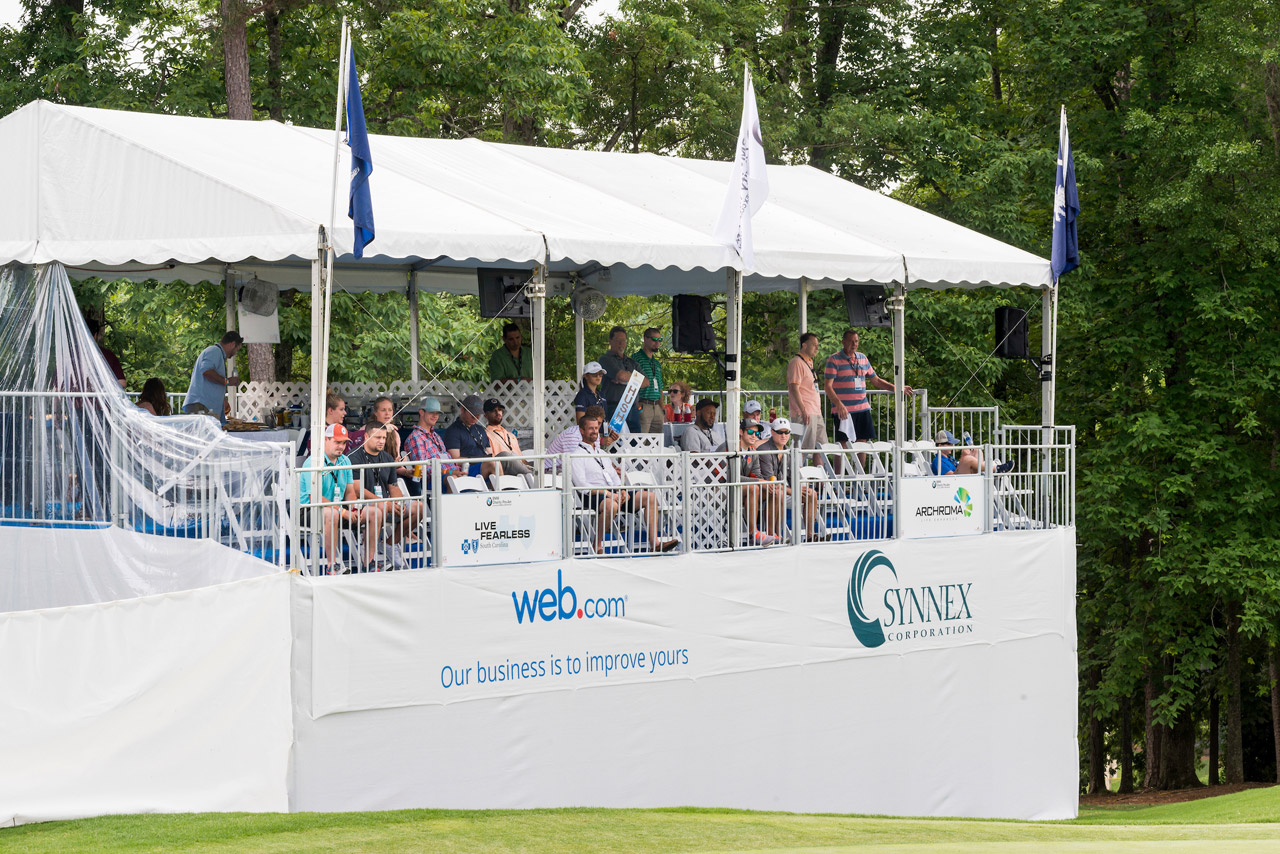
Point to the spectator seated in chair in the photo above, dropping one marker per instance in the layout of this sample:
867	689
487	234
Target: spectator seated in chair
425	444
466	437
567	441
593	473
381	486
502	442
754	492
335	485
968	461
776	468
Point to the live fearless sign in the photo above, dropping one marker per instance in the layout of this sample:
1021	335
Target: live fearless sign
500	527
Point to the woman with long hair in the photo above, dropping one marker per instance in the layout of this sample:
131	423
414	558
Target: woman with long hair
153	398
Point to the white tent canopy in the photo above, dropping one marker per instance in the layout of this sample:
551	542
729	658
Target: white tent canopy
171	197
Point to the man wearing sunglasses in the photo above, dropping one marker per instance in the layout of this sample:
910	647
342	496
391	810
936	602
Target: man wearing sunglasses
776	468
649	403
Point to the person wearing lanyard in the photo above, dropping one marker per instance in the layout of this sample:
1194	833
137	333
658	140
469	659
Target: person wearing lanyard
328	506
847	374
649	402
802	394
502	442
599	487
466	438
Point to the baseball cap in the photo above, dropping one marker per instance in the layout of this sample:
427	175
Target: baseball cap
706	401
752	406
472	404
749	422
431	404
593	368
945	437
336	431
780	424
493	403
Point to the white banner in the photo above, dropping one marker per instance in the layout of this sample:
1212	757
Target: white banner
627	401
949	506
932	677
500	527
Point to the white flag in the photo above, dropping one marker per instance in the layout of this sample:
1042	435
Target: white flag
749	186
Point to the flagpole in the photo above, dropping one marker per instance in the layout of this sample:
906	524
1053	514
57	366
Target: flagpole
343	70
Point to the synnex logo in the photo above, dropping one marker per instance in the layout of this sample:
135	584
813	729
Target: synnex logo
927	611
561	603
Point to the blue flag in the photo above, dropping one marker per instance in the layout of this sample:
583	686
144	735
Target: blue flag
1065	255
360	207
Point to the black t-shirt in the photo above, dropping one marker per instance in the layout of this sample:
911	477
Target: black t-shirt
586	397
379	480
471	442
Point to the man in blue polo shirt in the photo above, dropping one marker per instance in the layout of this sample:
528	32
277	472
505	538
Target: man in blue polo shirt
208	387
466	437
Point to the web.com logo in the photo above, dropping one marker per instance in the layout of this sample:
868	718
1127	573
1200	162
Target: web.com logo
868	631
561	603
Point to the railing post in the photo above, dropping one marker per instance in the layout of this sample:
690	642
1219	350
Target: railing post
686	504
436	527
989	481
797	517
895	480
568	529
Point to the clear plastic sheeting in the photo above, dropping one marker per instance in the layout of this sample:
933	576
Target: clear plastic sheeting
75	452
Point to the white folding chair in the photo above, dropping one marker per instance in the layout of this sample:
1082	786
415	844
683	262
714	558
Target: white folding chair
467	483
507	482
828	501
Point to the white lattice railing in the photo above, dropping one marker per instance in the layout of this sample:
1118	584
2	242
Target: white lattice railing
257	401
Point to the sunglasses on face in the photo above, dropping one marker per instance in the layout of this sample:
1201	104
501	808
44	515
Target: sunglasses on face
656	340
783	432
753	431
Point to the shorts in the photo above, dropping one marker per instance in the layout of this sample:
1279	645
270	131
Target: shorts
815	433
304	518
863	426
593	500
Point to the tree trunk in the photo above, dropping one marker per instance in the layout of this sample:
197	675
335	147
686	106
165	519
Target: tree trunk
995	63
235	57
275	48
1215	714
1271	91
1097	743
1273	666
1126	747
284	350
832	21
1234	760
1178	754
1154	735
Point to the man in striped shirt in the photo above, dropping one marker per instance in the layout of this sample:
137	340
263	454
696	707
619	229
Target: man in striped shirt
847	374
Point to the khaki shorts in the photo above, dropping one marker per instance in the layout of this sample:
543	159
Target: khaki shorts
815	433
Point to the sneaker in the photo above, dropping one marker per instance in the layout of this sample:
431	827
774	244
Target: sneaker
335	568
1003	468
377	565
668	545
763	539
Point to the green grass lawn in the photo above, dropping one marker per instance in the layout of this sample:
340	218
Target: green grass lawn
1246	821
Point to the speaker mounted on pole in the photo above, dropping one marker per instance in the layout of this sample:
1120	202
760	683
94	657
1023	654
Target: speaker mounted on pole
691	330
1012	339
866	306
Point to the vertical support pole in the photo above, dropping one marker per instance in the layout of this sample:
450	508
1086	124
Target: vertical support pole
413	328
733	394
318	378
437	527
538	302
566	508
686	504
229	289
804	305
898	306
579	344
1048	387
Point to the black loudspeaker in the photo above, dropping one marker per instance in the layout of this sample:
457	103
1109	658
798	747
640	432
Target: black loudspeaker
1011	333
865	304
691	330
502	292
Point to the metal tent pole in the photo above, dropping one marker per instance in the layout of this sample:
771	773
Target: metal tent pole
537	292
898	305
804	305
733	394
229	289
413	327
579	344
318	378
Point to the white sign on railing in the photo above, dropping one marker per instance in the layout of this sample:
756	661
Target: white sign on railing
500	527
942	506
628	400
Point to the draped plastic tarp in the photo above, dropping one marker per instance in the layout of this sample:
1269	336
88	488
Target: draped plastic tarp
178	196
907	677
170	703
76	453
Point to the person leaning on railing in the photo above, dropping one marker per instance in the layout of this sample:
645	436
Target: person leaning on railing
599	486
776	468
334	483
426	444
754	491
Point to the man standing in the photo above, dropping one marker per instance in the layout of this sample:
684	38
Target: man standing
802	394
617	373
113	361
425	444
511	361
847	374
649	402
466	438
502	442
208	388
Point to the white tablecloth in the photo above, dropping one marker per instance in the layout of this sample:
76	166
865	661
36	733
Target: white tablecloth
266	435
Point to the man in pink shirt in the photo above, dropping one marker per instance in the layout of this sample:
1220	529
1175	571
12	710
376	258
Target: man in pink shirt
802	394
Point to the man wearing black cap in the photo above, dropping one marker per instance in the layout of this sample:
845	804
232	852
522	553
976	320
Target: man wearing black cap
502	442
208	388
466	438
700	437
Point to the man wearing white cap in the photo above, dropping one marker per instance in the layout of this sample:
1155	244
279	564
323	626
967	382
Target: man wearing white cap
776	468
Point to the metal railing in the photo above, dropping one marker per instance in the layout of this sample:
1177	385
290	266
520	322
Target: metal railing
881	408
1039	491
980	423
176	400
